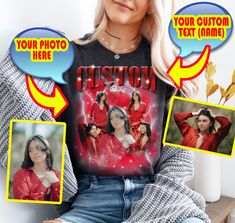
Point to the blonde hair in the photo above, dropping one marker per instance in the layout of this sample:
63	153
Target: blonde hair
155	29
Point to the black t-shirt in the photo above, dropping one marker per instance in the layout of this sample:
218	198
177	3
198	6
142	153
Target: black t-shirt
91	139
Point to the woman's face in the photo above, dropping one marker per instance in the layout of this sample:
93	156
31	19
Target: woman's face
116	119
126	12
203	123
35	154
102	97
93	131
135	97
143	129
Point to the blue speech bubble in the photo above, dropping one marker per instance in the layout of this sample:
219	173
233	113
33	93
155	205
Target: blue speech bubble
188	46
62	60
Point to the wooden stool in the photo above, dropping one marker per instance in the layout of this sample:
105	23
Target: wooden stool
220	211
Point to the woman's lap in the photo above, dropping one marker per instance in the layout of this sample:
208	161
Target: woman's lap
107	199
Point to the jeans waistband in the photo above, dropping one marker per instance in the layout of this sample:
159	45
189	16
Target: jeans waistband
96	178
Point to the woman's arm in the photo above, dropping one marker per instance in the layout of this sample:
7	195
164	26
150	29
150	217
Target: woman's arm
55	189
92	113
224	128
169	199
144	141
181	121
20	187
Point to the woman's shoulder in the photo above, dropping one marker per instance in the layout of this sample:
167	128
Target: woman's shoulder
81	42
21	173
106	136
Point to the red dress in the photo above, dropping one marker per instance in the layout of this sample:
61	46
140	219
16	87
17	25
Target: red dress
98	116
92	146
115	159
137	115
27	186
210	141
139	138
111	149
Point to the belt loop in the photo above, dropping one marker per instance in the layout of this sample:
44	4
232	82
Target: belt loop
142	178
95	179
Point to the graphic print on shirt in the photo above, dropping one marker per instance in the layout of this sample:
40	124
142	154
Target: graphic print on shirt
101	148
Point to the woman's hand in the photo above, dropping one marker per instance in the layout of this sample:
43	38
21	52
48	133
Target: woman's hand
51	177
129	139
45	182
98	131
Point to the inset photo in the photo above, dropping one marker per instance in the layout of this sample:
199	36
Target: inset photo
35	161
200	126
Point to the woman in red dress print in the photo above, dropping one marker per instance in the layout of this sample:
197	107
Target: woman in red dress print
116	144
99	111
205	136
136	111
37	180
92	136
142	137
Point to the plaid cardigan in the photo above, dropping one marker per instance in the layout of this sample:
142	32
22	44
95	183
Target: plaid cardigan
166	200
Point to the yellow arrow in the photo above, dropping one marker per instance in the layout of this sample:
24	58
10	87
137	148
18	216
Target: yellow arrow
179	73
56	102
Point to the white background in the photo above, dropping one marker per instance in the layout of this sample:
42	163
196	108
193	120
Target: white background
75	18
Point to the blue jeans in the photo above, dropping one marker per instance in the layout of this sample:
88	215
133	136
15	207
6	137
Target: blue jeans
106	199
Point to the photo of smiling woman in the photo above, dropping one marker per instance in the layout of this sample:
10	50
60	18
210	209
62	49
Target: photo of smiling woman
115	145
37	180
205	136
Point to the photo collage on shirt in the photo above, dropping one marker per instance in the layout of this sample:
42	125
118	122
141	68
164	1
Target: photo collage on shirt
116	128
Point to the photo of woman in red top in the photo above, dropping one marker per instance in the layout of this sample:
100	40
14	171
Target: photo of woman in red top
99	111
136	110
92	135
205	137
142	136
37	180
116	144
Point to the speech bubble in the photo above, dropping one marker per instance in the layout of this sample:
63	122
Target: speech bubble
200	24
42	52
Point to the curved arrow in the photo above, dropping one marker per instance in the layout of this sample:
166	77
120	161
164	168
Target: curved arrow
179	73
56	102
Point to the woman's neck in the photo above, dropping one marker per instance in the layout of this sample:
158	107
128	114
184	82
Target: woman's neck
120	36
204	132
40	167
120	132
136	102
125	32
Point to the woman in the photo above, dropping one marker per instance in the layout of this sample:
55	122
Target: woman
99	111
115	145
123	30
143	136
92	135
37	180
205	137
136	110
